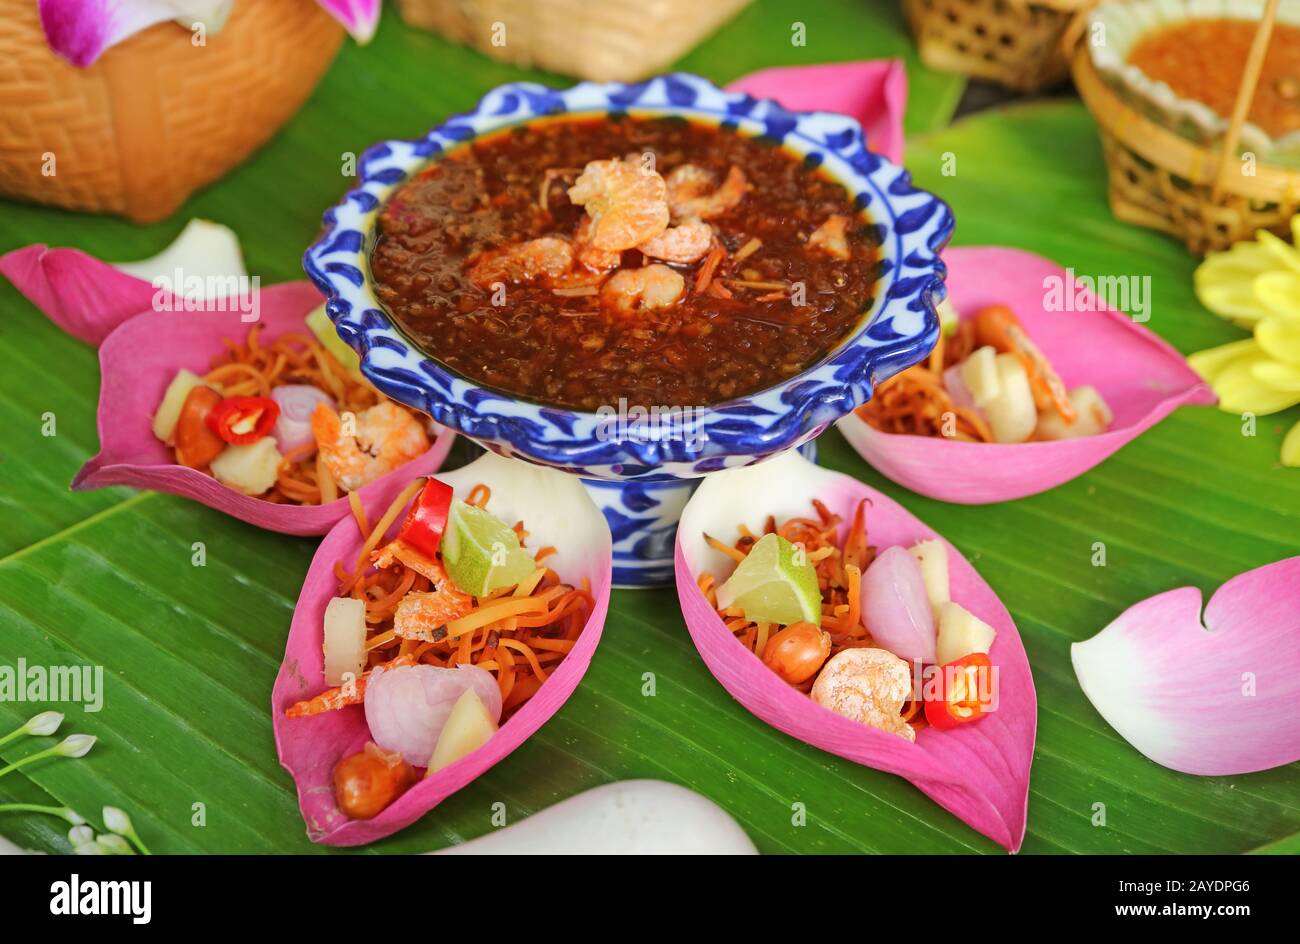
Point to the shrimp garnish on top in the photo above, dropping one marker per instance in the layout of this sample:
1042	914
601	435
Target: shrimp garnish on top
692	194
655	286
832	237
592	258
386	436
627	203
682	244
544	259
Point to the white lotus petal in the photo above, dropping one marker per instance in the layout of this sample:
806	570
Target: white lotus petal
1213	698
203	262
632	817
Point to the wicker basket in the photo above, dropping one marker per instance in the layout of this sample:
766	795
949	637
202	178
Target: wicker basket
155	117
1163	181
609	41
1016	43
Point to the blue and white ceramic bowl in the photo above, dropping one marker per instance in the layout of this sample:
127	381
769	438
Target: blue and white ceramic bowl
652	460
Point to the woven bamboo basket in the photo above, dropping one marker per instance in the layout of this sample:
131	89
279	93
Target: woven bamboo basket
609	41
1016	43
1209	197
157	116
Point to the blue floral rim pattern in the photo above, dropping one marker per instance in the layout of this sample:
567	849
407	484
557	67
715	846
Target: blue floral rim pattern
899	330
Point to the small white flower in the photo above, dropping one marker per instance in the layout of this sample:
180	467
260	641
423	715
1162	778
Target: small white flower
80	835
116	821
47	722
75	745
115	845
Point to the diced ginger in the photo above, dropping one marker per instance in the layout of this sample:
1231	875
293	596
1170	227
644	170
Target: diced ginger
933	558
250	469
1094	417
1012	414
979	373
468	727
169	410
345	639
961	633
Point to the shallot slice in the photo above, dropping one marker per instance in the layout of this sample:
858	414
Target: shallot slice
896	608
407	707
297	402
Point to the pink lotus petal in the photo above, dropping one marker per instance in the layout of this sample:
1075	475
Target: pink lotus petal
79	30
557	511
979	773
359	17
139	360
83	296
1212	699
1142	378
873	92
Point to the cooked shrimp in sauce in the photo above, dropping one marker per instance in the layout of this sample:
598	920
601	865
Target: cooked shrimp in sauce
574	261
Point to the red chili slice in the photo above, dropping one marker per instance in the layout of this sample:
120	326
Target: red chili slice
427	518
243	420
965	682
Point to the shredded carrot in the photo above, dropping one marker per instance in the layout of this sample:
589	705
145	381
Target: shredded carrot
256	366
734	553
358	512
709	267
747	250
386	519
915	401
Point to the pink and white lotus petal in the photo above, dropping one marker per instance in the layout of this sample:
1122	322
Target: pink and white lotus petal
88	298
979	772
80	30
1212	698
139	360
874	92
359	17
557	511
83	296
1141	377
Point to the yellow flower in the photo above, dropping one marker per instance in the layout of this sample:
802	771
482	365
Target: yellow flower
1257	286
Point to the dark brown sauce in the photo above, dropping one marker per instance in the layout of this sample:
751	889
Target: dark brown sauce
573	351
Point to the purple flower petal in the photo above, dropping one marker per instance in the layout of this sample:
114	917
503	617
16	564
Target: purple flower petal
80	30
361	17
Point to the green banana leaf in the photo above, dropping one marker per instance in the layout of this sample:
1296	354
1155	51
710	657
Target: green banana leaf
189	653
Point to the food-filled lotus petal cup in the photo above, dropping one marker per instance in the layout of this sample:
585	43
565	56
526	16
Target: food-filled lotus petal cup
1212	693
1141	378
978	772
139	360
557	511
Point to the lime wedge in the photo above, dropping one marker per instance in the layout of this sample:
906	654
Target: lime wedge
481	552
948	317
774	584
323	328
